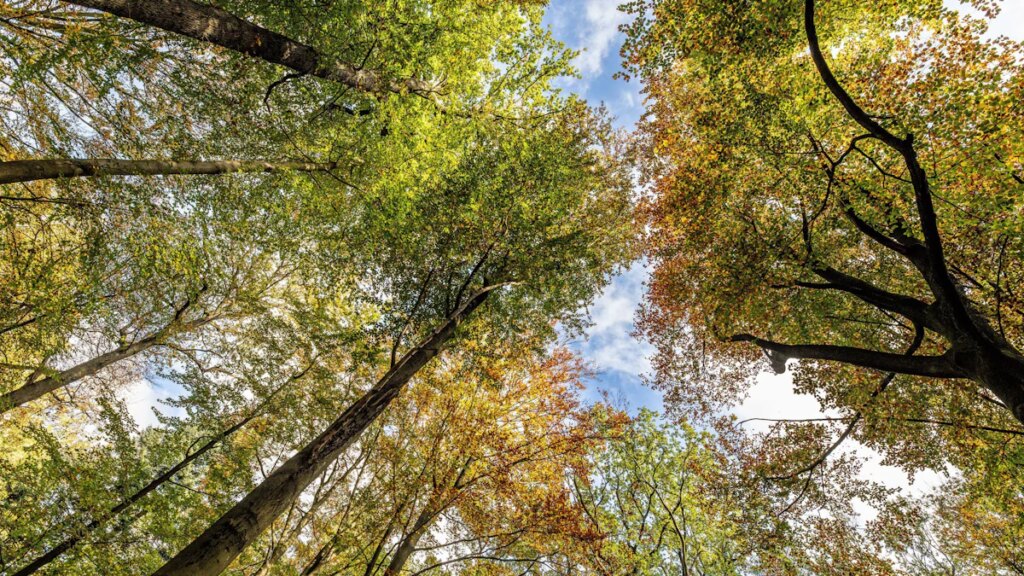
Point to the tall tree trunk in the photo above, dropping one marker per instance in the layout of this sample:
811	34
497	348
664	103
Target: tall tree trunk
38	388
29	170
73	541
211	24
213	551
408	544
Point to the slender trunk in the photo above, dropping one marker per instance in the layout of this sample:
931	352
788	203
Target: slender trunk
434	506
215	549
29	170
72	541
408	544
38	388
322	555
212	24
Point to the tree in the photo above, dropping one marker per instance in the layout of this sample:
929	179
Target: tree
837	184
799	208
209	23
549	232
655	494
494	188
468	472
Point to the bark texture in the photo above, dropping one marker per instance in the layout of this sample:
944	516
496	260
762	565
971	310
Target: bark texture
30	170
212	24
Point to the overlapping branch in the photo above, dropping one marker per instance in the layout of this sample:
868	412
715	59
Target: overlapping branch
217	26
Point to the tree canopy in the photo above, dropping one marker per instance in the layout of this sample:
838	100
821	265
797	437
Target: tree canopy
350	244
839	184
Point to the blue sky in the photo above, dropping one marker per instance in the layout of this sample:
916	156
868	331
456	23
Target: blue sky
591	27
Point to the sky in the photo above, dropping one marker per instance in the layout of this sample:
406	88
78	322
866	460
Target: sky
592	28
620	359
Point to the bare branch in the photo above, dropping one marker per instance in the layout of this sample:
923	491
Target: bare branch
943	285
930	366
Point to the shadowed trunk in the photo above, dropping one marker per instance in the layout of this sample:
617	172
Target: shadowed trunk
1001	370
29	170
217	26
218	546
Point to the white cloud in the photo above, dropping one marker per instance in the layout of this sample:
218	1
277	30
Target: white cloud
1009	22
142	396
600	31
609	343
592	27
772	397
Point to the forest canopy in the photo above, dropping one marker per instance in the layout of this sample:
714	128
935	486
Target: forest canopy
358	243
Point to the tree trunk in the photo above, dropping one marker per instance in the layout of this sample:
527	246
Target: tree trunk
214	550
29	170
1001	370
72	541
211	24
38	388
408	544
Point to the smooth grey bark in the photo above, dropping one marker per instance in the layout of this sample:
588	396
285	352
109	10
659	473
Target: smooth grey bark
30	170
408	544
224	540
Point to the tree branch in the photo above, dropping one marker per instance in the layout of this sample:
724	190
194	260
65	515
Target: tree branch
859	414
943	285
212	24
930	366
910	308
30	170
855	111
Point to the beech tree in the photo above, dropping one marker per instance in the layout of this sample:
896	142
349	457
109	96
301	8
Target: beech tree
468	474
859	232
514	249
838	184
656	497
411	179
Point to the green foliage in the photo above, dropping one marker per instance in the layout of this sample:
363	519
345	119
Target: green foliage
269	302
